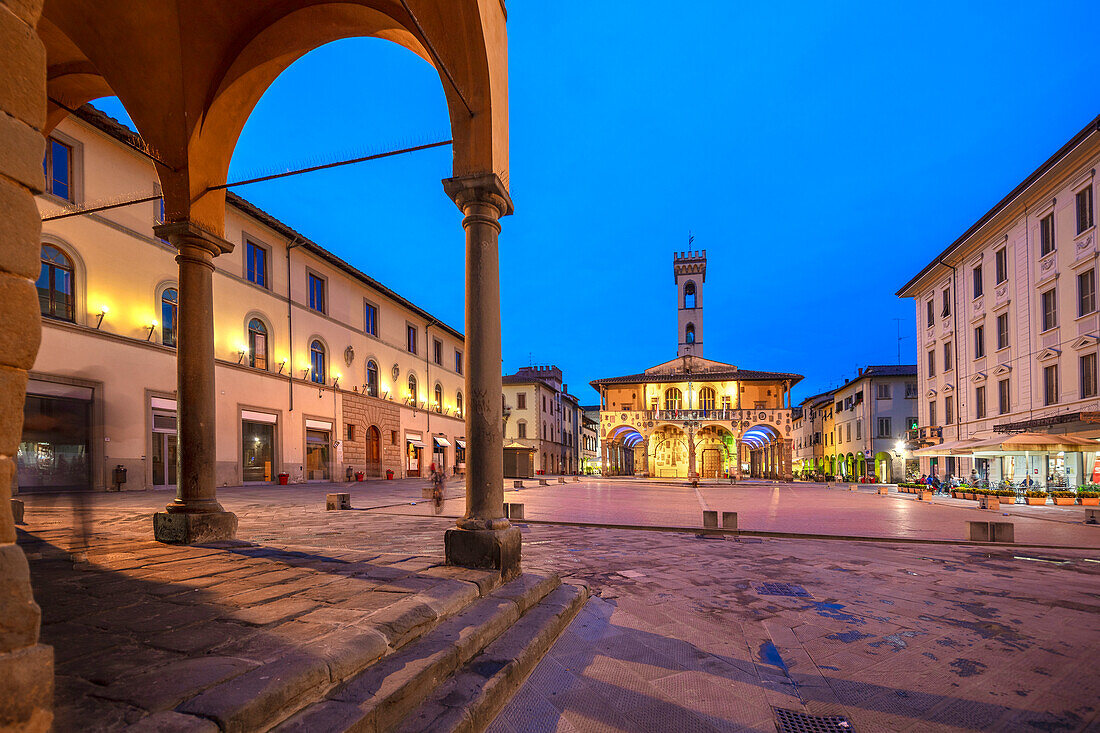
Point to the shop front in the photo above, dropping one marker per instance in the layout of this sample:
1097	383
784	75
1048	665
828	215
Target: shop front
163	442
414	455
258	447
318	450
55	452
439	452
460	457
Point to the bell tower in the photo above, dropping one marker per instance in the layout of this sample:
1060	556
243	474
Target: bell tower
690	269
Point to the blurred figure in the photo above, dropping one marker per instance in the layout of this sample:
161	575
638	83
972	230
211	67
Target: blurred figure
437	488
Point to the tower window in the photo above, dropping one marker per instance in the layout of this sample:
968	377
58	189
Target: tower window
689	334
689	294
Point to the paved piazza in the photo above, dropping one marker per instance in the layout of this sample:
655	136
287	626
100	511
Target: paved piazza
684	632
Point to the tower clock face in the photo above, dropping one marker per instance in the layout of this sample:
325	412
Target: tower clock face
396	372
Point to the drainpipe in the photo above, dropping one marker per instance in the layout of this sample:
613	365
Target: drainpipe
290	322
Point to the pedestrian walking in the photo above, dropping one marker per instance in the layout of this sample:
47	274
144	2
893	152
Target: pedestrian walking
437	478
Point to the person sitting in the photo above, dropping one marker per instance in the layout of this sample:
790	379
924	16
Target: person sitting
923	479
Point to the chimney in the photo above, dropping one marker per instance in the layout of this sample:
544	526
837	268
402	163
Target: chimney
861	371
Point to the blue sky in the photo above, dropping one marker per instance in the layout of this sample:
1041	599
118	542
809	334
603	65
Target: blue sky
821	155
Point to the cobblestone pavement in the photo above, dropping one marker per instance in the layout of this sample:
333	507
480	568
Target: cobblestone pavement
692	633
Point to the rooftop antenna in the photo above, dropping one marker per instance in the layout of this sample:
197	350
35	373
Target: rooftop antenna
900	337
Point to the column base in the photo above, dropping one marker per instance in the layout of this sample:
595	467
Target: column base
495	549
27	679
17	510
181	528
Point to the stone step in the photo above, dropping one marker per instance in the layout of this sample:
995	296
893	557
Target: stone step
472	698
382	695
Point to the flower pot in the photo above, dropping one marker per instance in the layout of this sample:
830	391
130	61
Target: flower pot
1064	500
284	479
1036	501
358	475
1089	501
389	475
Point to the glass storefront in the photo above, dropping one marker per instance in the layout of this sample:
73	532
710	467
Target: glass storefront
257	451
164	448
317	452
55	452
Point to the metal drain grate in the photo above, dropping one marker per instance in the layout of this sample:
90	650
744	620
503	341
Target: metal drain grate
782	589
793	721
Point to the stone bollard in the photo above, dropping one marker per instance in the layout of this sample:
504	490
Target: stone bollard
729	520
1002	532
883	490
513	510
576	479
710	519
561	479
1092	515
517	484
337	501
543	482
925	495
989	502
17	510
979	531
853	487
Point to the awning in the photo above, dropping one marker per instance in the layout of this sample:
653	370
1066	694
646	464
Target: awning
1037	443
461	444
518	446
949	448
417	443
443	442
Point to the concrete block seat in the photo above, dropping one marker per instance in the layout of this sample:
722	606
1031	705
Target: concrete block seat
465	668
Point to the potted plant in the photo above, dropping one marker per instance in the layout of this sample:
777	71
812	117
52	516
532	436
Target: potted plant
1006	496
1063	498
1035	498
1088	496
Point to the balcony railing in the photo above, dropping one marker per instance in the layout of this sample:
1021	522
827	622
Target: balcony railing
716	415
928	435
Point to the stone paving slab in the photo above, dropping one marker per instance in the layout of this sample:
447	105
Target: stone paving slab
912	637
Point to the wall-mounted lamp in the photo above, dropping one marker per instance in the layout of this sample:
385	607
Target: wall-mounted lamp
102	312
386	395
305	372
282	365
241	354
335	382
152	327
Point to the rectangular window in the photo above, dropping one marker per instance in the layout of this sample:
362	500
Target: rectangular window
859	429
1086	292
932	412
947	360
1002	330
522	429
371	318
1050	309
910	390
977	271
1046	235
1002	265
1004	403
883	391
1084	209
437	351
1088	375
979	342
979	402
458	362
931	314
521	401
932	363
256	263
948	410
58	165
946	303
1050	385
411	339
884	427
350	432
316	293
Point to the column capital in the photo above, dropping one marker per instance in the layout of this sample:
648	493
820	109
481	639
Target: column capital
178	232
479	188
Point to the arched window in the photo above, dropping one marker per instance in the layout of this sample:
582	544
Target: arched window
458	404
674	399
413	394
372	378
257	344
689	294
438	398
169	316
706	398
56	291
689	334
317	362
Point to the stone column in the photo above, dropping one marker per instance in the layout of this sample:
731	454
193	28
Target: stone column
737	459
645	456
195	515
26	667
483	538
691	452
786	470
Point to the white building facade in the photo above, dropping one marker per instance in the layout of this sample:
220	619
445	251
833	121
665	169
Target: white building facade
1007	328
